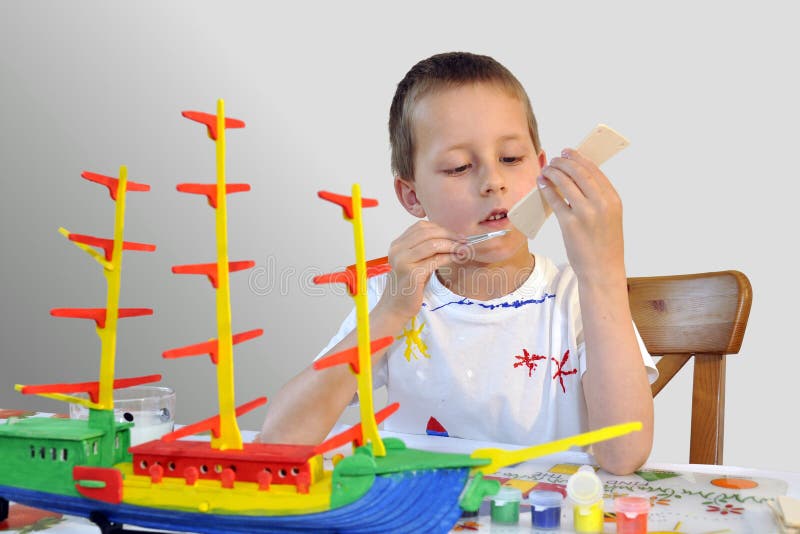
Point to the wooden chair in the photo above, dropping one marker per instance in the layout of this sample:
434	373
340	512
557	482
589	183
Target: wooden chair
701	315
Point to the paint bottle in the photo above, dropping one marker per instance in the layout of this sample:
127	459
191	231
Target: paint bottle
585	489
505	505
545	509
632	514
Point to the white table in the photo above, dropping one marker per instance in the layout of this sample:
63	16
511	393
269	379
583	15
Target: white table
690	490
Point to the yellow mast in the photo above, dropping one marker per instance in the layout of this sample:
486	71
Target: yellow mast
229	435
112	272
368	424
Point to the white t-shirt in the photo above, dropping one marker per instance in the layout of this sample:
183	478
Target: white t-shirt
506	370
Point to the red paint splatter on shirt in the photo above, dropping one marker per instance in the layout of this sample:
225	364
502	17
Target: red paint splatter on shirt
561	373
528	360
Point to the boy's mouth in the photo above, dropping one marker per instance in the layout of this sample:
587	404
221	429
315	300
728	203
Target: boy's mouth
496	215
496	218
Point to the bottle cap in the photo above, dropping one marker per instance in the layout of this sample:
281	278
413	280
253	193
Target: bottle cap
584	486
507	494
541	499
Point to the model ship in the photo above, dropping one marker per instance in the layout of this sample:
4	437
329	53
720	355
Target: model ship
87	468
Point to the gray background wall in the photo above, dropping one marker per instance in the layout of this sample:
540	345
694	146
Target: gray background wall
706	91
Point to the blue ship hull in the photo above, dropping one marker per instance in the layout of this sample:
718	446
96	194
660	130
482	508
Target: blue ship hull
412	501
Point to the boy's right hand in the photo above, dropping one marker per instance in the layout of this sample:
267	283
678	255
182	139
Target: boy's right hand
414	257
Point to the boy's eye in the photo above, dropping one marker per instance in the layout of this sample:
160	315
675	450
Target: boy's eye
511	159
458	170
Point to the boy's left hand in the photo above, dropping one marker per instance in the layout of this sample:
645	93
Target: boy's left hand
589	212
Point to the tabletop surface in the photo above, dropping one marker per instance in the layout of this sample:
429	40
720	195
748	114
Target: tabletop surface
685	498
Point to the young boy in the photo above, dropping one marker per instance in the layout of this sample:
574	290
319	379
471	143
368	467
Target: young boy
496	343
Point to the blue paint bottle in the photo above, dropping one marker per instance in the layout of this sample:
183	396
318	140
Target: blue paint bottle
545	509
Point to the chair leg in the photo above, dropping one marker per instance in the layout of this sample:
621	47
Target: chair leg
708	409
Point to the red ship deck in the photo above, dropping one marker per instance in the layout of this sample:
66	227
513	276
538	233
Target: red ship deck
284	463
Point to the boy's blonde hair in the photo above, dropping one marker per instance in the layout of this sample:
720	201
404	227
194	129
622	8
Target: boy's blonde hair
442	71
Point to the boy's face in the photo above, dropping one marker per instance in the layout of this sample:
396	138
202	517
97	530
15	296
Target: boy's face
474	160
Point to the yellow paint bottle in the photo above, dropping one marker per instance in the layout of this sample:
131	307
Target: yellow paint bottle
585	489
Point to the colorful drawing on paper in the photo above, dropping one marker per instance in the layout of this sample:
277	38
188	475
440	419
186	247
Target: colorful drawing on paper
681	501
654	474
735	483
27	519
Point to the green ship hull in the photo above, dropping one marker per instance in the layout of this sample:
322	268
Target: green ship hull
39	453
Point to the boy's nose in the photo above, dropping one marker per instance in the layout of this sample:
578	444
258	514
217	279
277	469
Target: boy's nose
493	182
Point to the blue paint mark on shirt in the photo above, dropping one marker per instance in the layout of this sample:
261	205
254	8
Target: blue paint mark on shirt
513	304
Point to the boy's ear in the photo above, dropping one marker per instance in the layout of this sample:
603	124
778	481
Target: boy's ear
407	195
542	159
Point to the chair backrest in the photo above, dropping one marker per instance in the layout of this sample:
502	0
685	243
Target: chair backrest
701	315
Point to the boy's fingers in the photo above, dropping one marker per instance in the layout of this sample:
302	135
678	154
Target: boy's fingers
580	175
434	229
438	261
556	201
572	154
431	247
421	272
566	186
421	233
417	235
